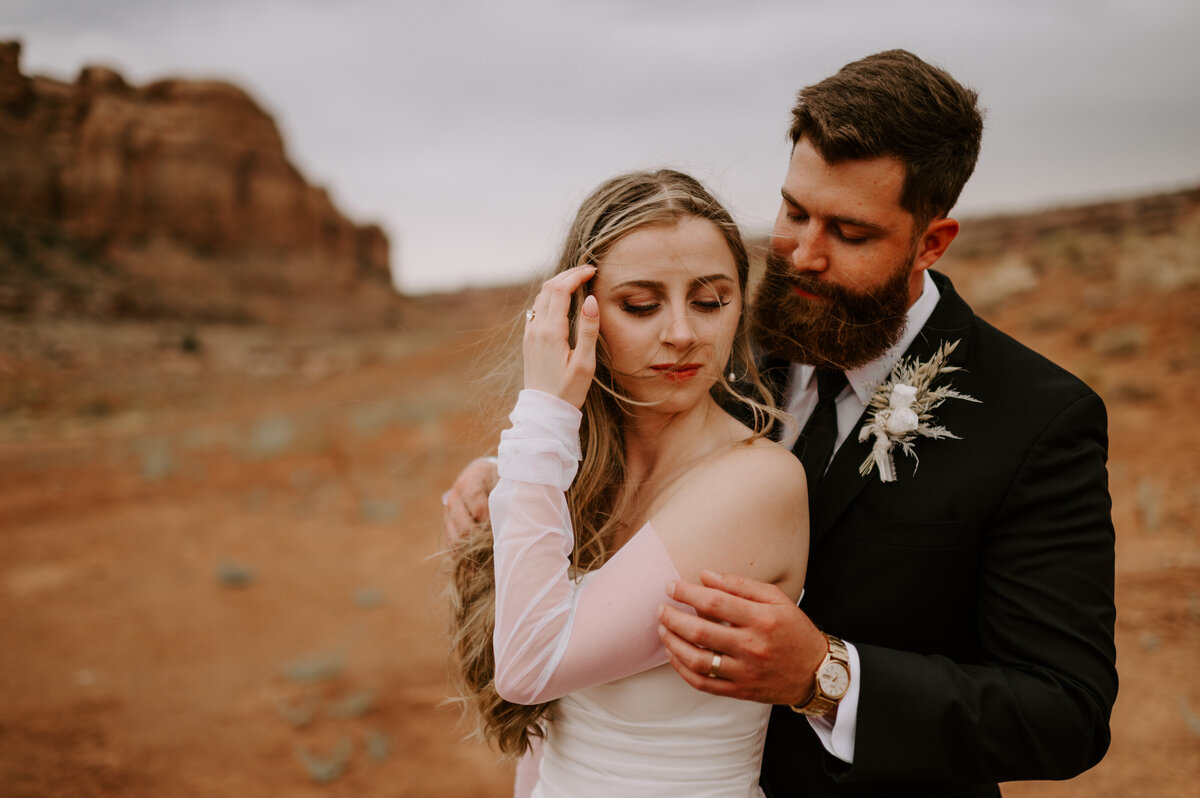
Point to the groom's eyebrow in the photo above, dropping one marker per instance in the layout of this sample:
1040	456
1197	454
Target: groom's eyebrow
847	220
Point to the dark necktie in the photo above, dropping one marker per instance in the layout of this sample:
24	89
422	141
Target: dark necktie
814	447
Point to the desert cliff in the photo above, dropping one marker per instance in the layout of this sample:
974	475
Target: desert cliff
174	199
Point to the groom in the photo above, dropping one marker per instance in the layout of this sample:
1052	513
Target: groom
957	624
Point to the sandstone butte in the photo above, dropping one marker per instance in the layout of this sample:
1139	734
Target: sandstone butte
175	199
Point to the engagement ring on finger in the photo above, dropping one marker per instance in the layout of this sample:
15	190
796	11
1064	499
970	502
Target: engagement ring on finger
529	314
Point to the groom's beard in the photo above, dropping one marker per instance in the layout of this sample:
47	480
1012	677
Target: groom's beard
843	329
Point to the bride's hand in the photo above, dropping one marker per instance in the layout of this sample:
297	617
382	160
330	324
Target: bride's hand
551	365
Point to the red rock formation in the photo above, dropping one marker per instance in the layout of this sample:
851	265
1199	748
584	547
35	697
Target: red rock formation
176	187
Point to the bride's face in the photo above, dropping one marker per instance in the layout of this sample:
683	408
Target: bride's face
669	304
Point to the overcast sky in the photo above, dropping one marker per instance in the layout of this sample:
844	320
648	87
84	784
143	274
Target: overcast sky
470	130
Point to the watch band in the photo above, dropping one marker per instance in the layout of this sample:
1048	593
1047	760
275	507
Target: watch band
820	702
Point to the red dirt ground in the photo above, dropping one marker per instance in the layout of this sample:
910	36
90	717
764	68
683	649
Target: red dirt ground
218	570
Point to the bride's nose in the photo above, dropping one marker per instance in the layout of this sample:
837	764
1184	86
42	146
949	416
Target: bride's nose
680	331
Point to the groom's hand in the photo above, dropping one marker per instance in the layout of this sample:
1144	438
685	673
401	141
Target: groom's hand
465	505
769	648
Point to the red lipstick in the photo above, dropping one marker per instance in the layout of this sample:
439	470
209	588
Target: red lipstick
678	373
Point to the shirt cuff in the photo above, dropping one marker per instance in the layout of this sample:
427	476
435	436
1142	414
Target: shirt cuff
838	737
542	446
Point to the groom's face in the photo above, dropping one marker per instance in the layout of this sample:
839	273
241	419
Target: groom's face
841	272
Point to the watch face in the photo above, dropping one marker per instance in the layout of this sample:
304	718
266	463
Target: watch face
834	680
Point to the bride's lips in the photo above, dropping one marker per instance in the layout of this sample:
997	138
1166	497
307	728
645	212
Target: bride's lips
678	373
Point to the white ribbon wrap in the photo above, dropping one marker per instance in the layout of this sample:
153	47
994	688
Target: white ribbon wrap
894	421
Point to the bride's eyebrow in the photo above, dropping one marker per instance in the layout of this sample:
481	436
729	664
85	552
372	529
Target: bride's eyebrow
712	278
656	285
653	285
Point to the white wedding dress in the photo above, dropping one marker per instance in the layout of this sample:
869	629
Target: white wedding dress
625	723
651	734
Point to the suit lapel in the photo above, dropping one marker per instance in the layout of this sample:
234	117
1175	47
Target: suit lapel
950	320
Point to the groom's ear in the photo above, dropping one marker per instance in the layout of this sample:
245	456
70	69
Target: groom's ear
934	242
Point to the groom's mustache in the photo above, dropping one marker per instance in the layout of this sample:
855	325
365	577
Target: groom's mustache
810	285
783	275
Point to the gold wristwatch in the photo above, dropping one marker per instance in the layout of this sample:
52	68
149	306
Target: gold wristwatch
831	680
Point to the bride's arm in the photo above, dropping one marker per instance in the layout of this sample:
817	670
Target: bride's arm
553	635
744	511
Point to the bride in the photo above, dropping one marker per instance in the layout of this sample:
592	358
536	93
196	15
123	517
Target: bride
621	473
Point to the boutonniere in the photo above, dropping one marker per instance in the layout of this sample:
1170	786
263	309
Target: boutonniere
901	411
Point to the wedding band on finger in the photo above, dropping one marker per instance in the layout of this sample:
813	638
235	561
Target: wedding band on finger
529	314
714	670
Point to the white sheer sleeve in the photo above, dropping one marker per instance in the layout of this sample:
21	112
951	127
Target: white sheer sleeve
554	635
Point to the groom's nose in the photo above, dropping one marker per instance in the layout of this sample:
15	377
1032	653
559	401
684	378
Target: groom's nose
807	249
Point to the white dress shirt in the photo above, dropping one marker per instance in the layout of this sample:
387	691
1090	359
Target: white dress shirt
838	738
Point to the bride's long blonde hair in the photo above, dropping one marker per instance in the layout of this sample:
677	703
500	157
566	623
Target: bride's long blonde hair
596	500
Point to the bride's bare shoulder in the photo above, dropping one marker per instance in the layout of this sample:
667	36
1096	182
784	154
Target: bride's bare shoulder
762	460
759	473
744	511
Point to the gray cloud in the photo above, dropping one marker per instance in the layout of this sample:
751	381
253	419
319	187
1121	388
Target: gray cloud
471	128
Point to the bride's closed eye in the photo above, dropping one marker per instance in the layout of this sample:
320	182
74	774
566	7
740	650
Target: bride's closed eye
711	305
639	309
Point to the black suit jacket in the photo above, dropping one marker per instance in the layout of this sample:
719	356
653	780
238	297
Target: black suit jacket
978	590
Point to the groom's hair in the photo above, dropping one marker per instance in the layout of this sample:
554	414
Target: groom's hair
893	104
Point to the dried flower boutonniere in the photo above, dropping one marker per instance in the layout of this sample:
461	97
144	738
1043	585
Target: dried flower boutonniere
900	411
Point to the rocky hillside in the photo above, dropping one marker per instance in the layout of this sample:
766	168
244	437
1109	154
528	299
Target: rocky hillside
171	200
1143	245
